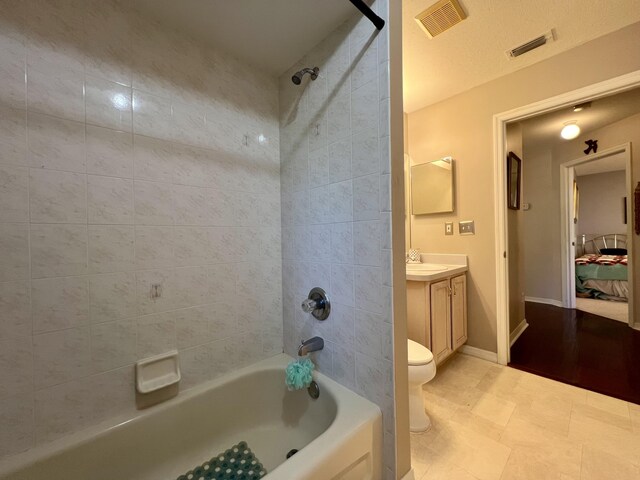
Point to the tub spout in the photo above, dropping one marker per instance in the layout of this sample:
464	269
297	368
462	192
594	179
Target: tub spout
312	345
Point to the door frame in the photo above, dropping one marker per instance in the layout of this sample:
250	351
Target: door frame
592	92
567	230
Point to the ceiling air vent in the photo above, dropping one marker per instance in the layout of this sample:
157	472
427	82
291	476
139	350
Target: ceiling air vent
531	44
440	16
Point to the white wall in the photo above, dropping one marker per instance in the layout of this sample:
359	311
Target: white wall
101	200
601	202
337	210
541	224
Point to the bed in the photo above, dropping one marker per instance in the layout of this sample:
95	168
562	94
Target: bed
601	267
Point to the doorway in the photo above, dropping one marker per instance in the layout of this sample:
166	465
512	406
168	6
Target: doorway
553	250
596	276
610	87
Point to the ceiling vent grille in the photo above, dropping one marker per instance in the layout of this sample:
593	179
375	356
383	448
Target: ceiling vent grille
440	17
531	44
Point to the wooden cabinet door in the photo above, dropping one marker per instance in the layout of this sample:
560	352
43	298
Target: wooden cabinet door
440	320
459	310
418	327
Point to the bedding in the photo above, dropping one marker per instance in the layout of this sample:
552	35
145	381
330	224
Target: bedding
602	276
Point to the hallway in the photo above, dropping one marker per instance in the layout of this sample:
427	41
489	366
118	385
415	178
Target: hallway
581	349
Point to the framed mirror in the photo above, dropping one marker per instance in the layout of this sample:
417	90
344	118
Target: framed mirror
432	187
514	175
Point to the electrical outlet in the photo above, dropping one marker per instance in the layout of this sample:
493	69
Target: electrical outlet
467	227
448	228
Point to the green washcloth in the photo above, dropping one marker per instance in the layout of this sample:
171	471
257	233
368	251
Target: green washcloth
299	374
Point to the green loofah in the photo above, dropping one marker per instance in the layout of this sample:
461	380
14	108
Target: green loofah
299	374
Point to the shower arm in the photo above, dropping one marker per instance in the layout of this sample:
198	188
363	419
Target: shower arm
367	12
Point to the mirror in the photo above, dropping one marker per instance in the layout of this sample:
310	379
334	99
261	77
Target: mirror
432	187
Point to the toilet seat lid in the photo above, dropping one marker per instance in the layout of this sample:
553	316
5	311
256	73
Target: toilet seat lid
418	354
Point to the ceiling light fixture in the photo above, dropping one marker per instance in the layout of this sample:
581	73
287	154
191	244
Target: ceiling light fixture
582	106
570	130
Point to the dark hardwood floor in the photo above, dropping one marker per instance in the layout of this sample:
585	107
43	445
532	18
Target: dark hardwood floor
581	349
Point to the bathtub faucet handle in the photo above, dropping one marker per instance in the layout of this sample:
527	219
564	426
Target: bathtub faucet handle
317	304
309	305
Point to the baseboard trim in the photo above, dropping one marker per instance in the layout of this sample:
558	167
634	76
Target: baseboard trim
513	336
409	475
479	353
546	301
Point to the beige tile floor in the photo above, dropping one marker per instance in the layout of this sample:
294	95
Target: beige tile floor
491	422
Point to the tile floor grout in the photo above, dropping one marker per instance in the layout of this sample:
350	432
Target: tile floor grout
531	440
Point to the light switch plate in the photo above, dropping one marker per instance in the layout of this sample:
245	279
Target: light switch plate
448	228
467	227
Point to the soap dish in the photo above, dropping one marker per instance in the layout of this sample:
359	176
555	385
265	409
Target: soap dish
157	372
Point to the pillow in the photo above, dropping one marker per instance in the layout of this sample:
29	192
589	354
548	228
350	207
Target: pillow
613	251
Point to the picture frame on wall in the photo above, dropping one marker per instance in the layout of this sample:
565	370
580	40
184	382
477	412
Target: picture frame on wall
514	180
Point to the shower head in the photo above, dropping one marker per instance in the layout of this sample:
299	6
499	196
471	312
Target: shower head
313	73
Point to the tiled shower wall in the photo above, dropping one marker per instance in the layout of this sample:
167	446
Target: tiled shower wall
334	138
129	156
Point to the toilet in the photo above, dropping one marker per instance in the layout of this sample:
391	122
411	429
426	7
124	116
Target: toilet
422	369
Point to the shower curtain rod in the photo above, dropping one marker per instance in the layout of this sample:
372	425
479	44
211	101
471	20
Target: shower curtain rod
367	12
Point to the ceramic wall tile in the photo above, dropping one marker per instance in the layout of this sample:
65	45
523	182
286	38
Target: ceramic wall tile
61	356
156	337
112	297
113	394
340	194
153	203
152	115
62	409
365	153
153	159
113	345
125	170
15	310
109	152
59	303
110	200
14	241
16	366
340	161
58	250
56	143
364	108
56	92
57	197
154	247
16	418
108	104
12	74
111	248
14	194
366	197
13	136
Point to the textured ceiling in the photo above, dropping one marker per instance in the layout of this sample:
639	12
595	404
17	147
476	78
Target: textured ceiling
543	131
473	52
268	34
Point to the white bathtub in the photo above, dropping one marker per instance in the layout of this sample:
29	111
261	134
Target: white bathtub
339	435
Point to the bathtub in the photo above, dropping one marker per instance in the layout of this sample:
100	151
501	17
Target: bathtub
338	435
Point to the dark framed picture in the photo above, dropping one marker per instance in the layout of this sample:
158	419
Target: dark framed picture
514	176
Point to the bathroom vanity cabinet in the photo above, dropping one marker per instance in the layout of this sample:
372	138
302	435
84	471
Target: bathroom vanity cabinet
437	314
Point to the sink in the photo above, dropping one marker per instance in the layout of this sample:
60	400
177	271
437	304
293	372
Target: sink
426	267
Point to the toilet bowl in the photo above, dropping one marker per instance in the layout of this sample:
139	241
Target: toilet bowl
422	369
